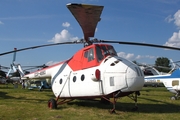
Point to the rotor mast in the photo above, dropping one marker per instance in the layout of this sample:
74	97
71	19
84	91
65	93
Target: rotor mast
87	16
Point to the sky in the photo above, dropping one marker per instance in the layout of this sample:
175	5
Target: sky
26	23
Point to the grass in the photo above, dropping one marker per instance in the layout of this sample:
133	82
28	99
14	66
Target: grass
24	104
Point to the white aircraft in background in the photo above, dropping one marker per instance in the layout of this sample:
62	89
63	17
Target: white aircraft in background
150	71
171	81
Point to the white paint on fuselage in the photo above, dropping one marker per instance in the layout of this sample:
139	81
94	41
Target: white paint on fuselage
115	74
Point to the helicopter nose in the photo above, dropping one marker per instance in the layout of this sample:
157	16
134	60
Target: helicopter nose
135	78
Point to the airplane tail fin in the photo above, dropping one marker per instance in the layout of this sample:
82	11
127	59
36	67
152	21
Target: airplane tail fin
174	66
20	70
15	67
12	66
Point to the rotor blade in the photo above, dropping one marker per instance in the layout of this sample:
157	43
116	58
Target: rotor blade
3	67
140	44
14	57
34	47
87	16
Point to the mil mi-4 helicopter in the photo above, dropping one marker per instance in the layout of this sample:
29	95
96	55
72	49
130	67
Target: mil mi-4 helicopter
94	71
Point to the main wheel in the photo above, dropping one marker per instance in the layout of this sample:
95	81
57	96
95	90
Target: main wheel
52	104
173	98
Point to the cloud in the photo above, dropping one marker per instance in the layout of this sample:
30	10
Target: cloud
177	18
66	24
51	63
174	40
169	19
1	23
63	36
131	56
128	56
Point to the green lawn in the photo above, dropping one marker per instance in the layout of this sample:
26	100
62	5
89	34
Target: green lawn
24	104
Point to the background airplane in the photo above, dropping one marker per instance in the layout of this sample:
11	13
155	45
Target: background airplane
150	70
171	81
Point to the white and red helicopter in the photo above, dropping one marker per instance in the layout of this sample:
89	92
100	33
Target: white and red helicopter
95	71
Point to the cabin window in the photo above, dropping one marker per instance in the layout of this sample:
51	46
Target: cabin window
99	54
175	82
90	54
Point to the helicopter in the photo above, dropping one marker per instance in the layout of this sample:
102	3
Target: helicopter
95	71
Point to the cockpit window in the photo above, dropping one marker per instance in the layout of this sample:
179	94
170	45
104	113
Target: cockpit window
105	51
111	50
90	54
86	54
99	53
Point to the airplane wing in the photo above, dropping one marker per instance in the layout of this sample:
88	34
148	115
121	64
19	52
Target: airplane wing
87	16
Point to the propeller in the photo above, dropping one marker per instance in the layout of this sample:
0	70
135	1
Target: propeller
3	67
39	46
141	44
92	41
88	16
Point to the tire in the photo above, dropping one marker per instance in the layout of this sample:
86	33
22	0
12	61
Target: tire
173	98
52	104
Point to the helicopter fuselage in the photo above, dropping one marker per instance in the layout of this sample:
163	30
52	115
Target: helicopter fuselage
94	71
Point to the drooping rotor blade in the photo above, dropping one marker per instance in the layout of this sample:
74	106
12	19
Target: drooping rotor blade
34	47
14	57
140	44
87	16
3	67
36	66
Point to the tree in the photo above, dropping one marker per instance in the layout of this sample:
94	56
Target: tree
163	63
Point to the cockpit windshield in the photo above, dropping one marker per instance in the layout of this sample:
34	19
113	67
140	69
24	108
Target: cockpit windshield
104	50
111	50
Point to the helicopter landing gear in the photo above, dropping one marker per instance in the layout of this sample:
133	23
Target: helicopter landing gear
173	98
134	97
176	97
52	104
112	111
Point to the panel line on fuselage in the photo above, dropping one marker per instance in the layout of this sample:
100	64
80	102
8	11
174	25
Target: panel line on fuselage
58	72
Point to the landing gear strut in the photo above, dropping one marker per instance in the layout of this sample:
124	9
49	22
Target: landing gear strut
113	102
134	97
176	97
52	103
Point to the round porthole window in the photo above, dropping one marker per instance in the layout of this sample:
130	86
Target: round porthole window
74	79
82	77
60	81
